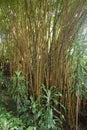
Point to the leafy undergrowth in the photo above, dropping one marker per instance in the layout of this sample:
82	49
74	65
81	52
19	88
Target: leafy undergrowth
41	113
9	122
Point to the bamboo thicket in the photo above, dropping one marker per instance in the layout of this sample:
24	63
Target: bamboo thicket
41	33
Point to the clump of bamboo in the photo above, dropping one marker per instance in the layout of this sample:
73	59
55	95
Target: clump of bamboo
41	33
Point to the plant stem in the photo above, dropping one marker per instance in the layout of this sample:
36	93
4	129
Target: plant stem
77	110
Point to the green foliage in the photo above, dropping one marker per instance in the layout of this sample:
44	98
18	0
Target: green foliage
78	59
49	120
43	110
31	128
17	89
36	113
8	121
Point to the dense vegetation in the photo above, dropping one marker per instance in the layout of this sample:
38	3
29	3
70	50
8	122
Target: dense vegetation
43	64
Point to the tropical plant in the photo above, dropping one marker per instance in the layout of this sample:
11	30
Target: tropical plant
78	64
45	114
51	118
17	89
